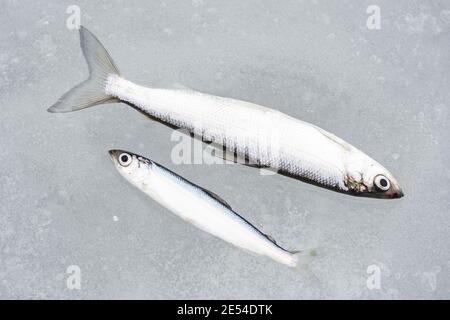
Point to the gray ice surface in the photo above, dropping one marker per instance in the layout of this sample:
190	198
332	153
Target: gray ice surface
385	91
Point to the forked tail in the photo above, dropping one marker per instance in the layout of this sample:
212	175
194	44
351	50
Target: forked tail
90	92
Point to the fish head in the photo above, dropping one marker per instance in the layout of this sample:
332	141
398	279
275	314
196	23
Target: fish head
130	165
367	178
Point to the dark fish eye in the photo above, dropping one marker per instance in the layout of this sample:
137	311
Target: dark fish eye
125	159
382	183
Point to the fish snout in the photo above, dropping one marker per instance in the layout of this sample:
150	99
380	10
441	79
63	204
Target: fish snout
398	194
114	154
395	192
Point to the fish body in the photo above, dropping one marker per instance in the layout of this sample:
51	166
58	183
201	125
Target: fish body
266	139
261	135
198	206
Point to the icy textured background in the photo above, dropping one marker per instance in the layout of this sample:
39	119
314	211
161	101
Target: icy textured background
385	91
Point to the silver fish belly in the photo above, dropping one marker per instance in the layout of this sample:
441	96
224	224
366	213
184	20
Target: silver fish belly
264	136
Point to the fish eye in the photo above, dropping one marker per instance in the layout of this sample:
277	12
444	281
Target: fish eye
382	183
125	159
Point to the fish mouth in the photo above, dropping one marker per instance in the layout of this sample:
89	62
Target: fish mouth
391	194
375	195
112	153
398	194
395	191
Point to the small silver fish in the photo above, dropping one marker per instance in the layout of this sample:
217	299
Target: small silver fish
260	135
198	206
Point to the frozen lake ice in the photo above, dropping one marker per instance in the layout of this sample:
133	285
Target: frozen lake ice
384	90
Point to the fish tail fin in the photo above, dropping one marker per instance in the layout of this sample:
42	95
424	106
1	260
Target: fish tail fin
303	257
90	92
302	268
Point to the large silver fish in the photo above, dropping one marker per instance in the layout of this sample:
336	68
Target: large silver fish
199	207
262	136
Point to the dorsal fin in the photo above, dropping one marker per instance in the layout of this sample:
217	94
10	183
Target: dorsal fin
208	192
270	238
215	196
335	139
